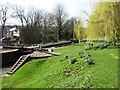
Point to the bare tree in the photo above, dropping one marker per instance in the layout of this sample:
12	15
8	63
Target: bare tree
60	18
34	17
26	18
34	21
19	13
38	17
0	13
4	15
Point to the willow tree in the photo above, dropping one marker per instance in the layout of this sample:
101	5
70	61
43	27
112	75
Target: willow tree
104	22
78	30
112	26
95	27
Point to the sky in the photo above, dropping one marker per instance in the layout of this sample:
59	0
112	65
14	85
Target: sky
73	7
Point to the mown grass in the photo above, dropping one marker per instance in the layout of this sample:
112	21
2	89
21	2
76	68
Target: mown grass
57	72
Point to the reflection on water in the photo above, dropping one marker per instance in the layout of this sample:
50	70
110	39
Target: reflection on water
7	50
4	70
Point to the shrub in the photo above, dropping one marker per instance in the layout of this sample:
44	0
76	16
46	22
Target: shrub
86	57
104	45
68	56
73	60
80	52
109	42
89	61
96	47
101	46
88	47
88	54
82	55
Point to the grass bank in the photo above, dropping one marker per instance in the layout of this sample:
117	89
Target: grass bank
57	72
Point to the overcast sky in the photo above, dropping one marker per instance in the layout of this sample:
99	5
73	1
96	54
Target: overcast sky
73	7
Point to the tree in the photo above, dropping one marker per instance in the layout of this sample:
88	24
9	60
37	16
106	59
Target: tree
34	27
112	21
78	30
19	13
68	29
95	27
104	22
60	18
50	32
4	15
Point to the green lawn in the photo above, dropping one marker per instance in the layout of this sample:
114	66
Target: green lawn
57	72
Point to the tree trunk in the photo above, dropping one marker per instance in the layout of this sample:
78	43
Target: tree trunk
79	41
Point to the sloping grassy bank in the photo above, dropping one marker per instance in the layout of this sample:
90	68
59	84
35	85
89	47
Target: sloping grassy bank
57	72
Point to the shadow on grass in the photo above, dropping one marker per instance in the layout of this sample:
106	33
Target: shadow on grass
39	62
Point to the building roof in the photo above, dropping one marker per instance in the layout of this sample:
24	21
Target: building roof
12	29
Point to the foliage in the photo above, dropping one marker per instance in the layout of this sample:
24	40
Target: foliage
33	36
68	27
104	22
78	30
72	60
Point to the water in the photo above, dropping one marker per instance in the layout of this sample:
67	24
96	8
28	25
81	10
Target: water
4	70
7	50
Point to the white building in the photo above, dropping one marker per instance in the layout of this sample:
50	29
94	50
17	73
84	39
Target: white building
13	32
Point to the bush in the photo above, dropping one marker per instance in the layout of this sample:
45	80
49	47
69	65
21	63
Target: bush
88	54
84	54
89	61
95	47
104	45
109	42
81	56
73	60
68	56
88	47
86	57
101	46
80	52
